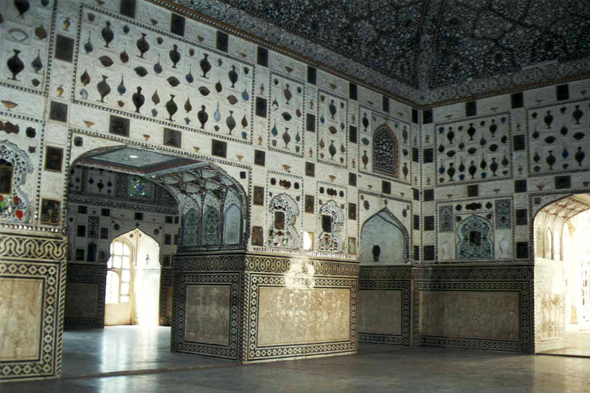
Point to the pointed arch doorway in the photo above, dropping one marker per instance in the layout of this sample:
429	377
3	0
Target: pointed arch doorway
133	280
562	274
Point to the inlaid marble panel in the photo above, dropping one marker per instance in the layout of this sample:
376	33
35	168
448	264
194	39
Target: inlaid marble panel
207	314
21	331
470	314
297	316
380	311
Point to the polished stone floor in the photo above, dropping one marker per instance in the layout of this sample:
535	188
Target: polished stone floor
88	352
576	344
377	368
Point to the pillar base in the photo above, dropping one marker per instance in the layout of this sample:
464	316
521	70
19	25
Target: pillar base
254	307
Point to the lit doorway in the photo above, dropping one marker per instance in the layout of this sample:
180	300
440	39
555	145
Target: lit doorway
133	281
562	263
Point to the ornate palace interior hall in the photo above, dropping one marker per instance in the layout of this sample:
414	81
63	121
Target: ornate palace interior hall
294	195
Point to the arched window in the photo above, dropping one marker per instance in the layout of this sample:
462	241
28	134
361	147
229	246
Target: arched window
112	296
119	272
385	154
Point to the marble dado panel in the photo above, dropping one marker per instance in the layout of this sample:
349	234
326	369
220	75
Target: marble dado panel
467	314
446	305
85	295
32	285
215	331
385	304
379	311
21	335
317	341
291	316
208	314
482	315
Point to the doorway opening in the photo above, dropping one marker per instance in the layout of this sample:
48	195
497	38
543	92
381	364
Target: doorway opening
562	266
133	281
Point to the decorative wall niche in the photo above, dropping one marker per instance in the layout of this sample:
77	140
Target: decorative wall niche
14	167
331	221
282	232
384	239
475	239
211	220
190	229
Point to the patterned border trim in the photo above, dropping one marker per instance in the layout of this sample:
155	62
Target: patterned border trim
251	352
208	263
181	281
263	264
48	365
385	273
106	202
284	265
30	247
404	338
88	274
488	273
525	344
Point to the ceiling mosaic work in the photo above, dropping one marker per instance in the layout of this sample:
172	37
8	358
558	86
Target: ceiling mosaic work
424	50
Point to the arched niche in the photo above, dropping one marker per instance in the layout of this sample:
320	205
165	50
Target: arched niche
331	221
385	151
190	229
232	223
283	215
14	167
475	239
211	220
384	239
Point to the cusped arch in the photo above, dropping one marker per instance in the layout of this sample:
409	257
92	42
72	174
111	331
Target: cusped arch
283	212
384	239
330	239
385	151
475	239
17	165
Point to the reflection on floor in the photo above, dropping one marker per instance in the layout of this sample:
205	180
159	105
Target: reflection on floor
378	368
124	348
576	344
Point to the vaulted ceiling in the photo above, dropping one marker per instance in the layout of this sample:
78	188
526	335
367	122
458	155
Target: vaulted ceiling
424	50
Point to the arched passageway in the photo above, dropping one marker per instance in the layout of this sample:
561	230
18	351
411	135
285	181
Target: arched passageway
562	266
130	210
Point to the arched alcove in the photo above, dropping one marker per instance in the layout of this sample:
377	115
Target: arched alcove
384	239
